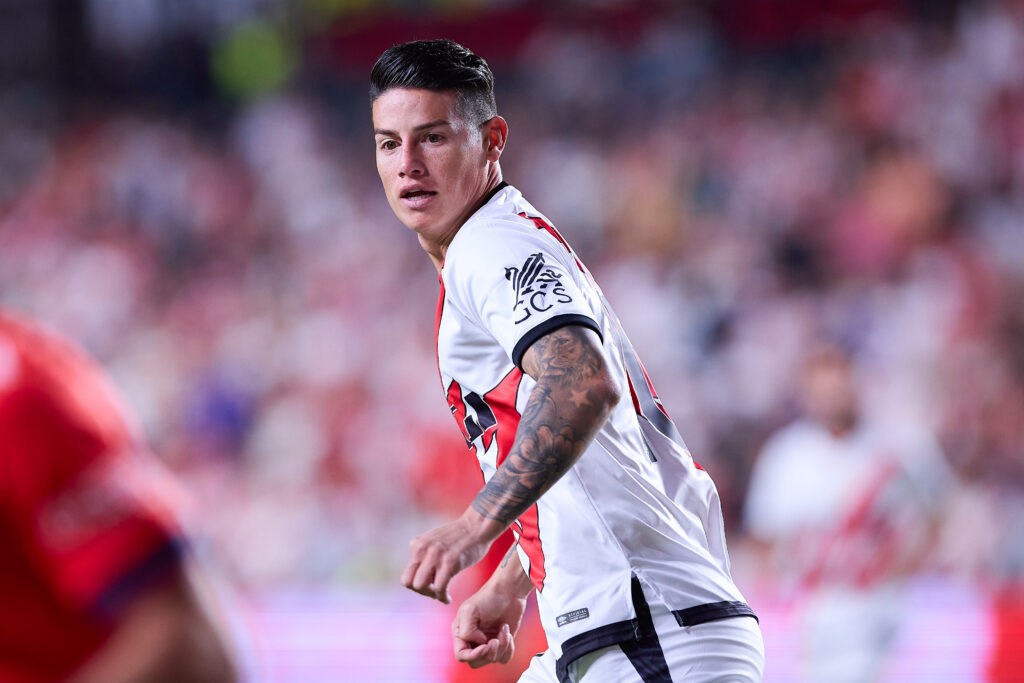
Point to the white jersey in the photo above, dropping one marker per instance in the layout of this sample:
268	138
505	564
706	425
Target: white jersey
854	504
635	514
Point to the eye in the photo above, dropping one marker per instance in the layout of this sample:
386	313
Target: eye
388	145
434	138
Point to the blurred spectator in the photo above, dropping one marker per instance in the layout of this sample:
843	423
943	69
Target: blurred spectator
846	510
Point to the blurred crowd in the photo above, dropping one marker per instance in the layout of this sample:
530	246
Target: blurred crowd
245	282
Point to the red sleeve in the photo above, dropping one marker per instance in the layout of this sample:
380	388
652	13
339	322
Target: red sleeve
88	506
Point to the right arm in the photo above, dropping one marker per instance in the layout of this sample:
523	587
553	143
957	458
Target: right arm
485	627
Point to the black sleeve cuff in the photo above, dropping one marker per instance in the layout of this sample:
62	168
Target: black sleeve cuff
547	326
165	559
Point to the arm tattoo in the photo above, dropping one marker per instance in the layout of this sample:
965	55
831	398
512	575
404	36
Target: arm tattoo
569	404
508	556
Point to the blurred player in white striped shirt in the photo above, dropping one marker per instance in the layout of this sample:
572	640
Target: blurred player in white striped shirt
860	512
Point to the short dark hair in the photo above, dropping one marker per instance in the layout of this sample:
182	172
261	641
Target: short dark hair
439	65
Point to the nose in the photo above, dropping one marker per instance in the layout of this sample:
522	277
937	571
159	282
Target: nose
411	164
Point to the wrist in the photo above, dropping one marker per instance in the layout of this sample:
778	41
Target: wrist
510	578
482	529
513	584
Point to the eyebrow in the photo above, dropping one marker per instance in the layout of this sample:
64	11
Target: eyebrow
422	126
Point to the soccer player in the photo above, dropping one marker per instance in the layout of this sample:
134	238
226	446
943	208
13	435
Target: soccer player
862	509
94	580
618	530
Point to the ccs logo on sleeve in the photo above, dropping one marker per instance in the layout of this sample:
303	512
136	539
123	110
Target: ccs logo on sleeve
537	287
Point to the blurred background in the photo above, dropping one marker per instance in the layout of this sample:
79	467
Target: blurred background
768	191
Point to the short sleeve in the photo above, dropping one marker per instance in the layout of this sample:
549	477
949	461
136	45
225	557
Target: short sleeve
516	283
105	538
92	513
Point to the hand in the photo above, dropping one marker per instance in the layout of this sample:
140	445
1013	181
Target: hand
437	556
484	628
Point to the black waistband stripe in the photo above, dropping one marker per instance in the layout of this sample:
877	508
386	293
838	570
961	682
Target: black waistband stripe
638	638
702	614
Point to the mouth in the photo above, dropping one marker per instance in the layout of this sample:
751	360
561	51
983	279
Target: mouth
416	198
415	194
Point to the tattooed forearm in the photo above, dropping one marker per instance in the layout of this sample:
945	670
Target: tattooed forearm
570	402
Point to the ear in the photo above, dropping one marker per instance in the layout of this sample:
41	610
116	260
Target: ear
494	132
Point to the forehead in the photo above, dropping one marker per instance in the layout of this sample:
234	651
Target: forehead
400	108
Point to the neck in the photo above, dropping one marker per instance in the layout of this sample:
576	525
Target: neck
436	252
437	249
841	425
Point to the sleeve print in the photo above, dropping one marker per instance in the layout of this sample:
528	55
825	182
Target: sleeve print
510	281
537	287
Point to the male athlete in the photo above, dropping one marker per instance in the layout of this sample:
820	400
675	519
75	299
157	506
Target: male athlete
93	584
861	511
617	529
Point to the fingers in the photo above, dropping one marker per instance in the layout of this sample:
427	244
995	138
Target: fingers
442	577
433	576
429	579
409	573
466	624
496	650
478	656
506	645
430	569
438	555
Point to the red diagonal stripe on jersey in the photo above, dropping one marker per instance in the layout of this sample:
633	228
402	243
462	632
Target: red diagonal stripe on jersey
458	408
437	328
650	385
530	542
632	395
874	567
544	225
502	401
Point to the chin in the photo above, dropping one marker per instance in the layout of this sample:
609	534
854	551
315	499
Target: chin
415	221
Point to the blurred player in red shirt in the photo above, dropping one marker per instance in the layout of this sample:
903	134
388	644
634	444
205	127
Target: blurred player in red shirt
94	579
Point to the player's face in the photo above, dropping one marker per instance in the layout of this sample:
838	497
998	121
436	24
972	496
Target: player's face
433	163
830	395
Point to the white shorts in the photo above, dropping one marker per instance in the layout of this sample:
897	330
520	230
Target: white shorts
723	651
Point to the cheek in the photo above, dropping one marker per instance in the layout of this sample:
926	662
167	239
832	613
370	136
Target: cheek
387	175
468	163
